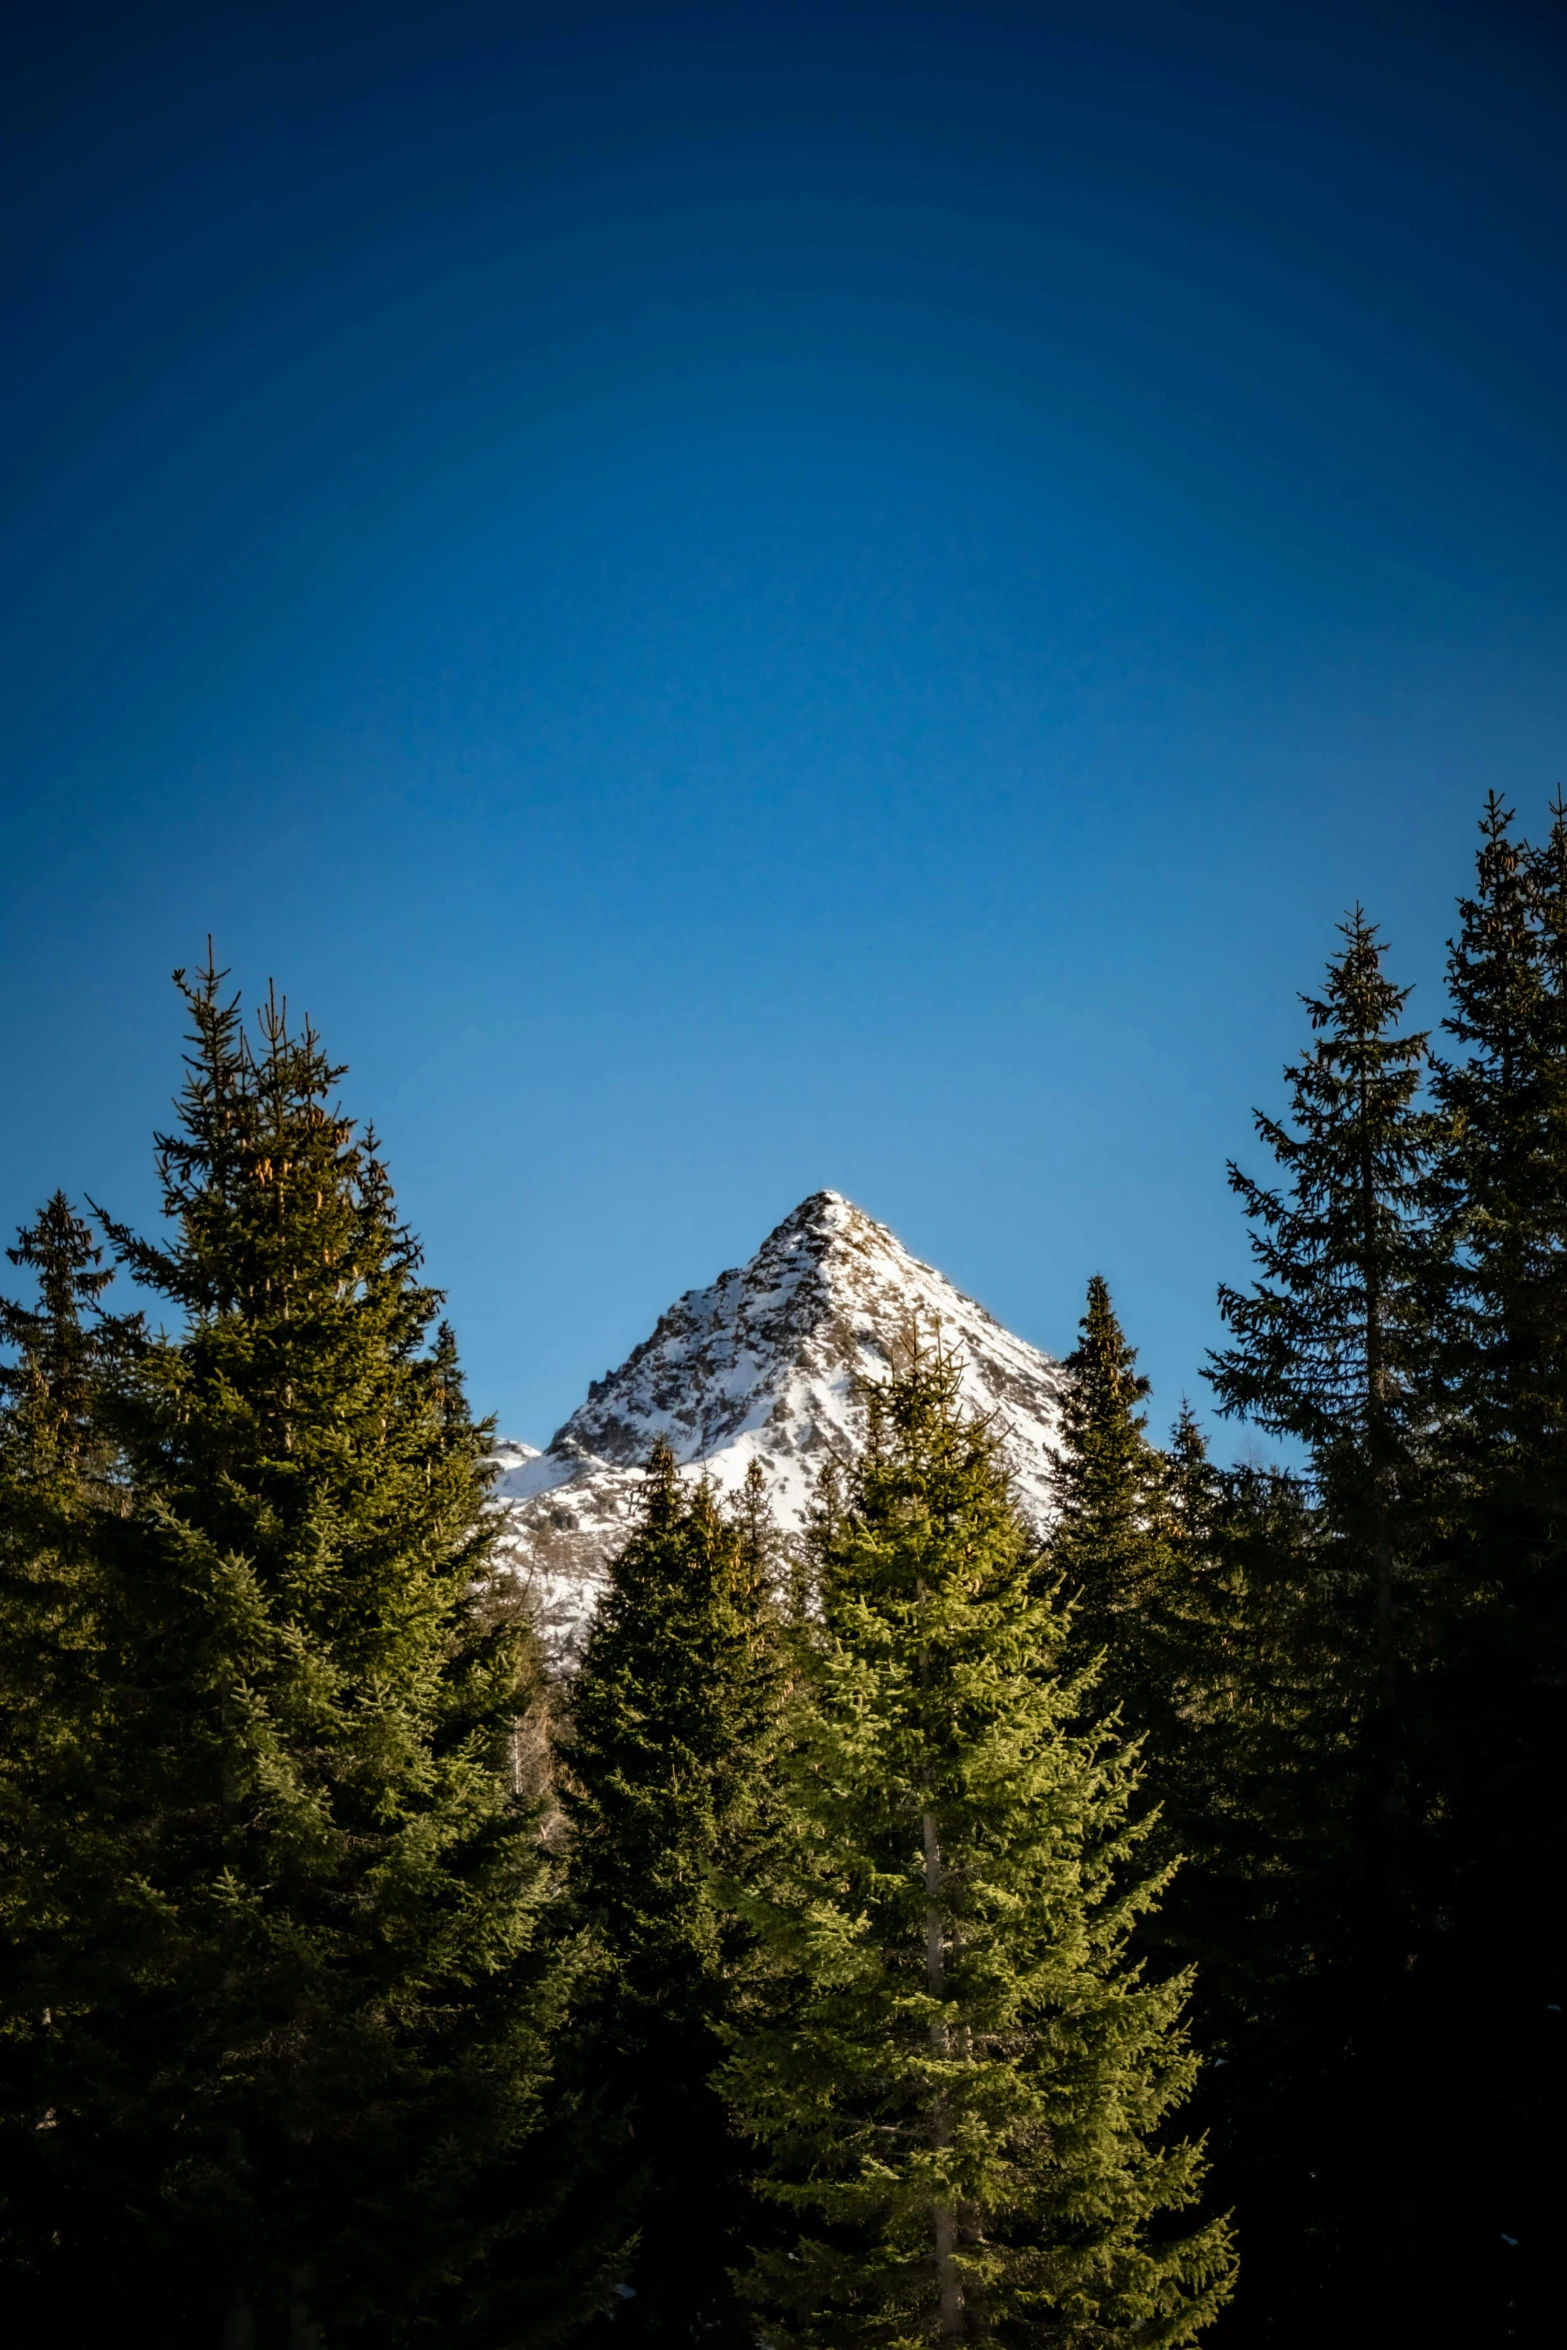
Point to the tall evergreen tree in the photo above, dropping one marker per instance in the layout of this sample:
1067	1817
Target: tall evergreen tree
1257	1794
672	1721
56	1475
1500	1191
56	1470
1328	1349
962	2090
1190	1586
313	2056
1325	1345
1115	1546
1499	1405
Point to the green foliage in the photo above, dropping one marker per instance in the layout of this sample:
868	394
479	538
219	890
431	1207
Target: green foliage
1116	1547
1262	1788
314	2035
673	1718
1500	1401
57	1473
962	2089
1329	1349
1498	1181
1497	1728
1324	1344
1196	1592
836	1994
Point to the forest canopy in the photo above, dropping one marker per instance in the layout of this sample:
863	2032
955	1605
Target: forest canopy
920	1930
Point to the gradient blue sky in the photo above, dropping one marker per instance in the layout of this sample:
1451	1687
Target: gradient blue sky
739	599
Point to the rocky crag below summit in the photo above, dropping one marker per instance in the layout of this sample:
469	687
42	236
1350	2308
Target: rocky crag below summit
761	1366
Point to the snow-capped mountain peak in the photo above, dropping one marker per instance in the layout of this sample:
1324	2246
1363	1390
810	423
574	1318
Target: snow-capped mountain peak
763	1366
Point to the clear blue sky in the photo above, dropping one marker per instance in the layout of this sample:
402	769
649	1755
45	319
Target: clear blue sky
741	599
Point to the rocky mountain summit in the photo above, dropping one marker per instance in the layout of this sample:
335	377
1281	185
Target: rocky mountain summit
761	1366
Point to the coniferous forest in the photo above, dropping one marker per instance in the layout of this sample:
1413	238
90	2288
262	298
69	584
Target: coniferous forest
915	1933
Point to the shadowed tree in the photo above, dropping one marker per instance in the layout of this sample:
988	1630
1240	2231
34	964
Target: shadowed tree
1329	1348
1498	1744
57	1475
673	1718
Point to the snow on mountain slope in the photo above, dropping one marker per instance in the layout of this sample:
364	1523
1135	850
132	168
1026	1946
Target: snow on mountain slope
760	1367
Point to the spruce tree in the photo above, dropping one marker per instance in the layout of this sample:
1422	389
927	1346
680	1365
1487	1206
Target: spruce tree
1175	1570
1324	1344
1497	1190
1114	1547
309	2073
671	1723
1259	1791
1501	1191
1187	1583
962	2088
1328	1348
1499	1406
57	1472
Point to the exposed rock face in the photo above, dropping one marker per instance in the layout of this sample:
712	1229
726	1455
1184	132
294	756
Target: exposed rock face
761	1366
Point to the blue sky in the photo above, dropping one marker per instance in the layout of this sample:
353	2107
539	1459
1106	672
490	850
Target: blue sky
741	599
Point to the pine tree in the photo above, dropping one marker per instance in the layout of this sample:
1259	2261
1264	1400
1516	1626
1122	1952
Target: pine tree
1260	1793
1499	1406
672	1714
1328	1346
1323	1344
1328	1349
1178	1577
56	1470
962	2089
1114	1547
56	1474
1500	1189
1190	1587
312	2064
